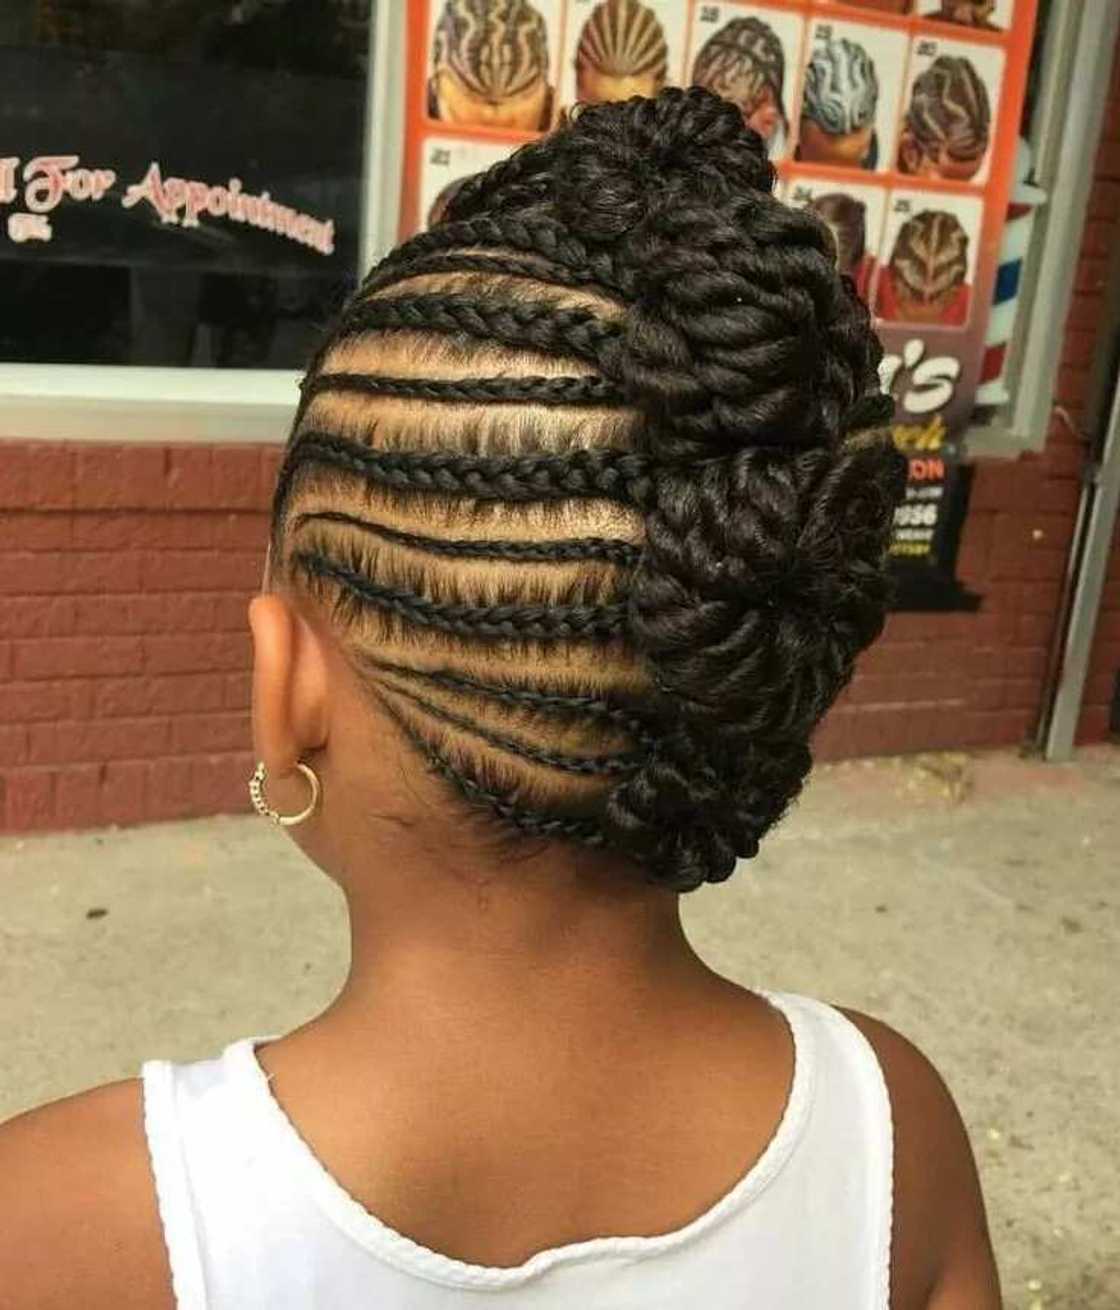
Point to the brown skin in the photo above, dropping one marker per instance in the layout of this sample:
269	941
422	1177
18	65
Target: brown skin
820	147
525	1016
521	113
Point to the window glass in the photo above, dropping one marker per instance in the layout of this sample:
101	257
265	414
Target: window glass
179	179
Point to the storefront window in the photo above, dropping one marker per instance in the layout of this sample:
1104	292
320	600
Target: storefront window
180	180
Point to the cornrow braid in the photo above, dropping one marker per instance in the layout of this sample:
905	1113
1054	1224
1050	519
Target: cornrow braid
588	390
610	551
523	697
533	233
588	765
540	270
582	474
574	332
531	822
744	449
501	622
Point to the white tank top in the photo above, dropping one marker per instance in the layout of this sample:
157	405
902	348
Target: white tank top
253	1220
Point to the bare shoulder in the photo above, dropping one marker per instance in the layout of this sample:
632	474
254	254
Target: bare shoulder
80	1224
941	1252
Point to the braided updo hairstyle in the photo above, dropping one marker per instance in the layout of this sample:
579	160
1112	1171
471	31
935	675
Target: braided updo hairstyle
594	479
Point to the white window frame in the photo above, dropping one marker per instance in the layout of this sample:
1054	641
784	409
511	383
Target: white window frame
98	402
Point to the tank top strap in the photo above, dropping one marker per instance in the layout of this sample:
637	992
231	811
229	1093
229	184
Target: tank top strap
851	1133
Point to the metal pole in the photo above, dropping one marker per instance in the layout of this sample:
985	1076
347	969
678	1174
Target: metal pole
1104	490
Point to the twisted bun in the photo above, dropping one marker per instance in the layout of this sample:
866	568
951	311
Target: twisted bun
761	576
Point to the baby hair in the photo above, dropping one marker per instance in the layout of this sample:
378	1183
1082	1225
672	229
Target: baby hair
593	480
949	110
623	38
496	49
930	256
841	86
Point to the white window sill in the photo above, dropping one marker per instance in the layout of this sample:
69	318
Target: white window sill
80	402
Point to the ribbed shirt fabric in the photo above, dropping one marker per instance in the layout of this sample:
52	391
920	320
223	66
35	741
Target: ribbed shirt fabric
253	1221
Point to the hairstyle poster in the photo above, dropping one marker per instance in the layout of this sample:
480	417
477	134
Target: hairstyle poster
751	55
447	163
854	214
895	121
615	49
850	90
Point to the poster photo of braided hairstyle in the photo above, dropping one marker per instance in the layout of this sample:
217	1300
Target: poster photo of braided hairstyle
594	483
846	219
948	123
926	277
622	52
744	62
840	97
490	65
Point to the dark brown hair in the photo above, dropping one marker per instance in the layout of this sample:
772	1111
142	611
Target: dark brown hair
593	480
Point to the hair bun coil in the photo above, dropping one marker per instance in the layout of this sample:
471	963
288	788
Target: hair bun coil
616	163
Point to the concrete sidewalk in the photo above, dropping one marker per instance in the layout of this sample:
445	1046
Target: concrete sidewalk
972	903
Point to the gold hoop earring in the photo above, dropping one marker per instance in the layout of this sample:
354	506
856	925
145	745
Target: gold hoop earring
262	807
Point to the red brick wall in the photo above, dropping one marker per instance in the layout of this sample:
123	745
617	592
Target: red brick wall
124	654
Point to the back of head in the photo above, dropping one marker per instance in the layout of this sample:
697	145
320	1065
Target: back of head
930	256
949	110
741	61
841	86
846	218
591	482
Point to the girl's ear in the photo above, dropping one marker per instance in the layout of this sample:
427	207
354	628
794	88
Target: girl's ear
290	685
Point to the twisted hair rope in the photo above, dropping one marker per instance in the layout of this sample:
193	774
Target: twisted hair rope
606	549
504	622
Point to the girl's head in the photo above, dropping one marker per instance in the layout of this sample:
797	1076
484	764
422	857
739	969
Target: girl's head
744	62
948	123
621	53
588	497
840	98
490	65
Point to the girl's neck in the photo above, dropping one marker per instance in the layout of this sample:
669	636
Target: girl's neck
550	945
